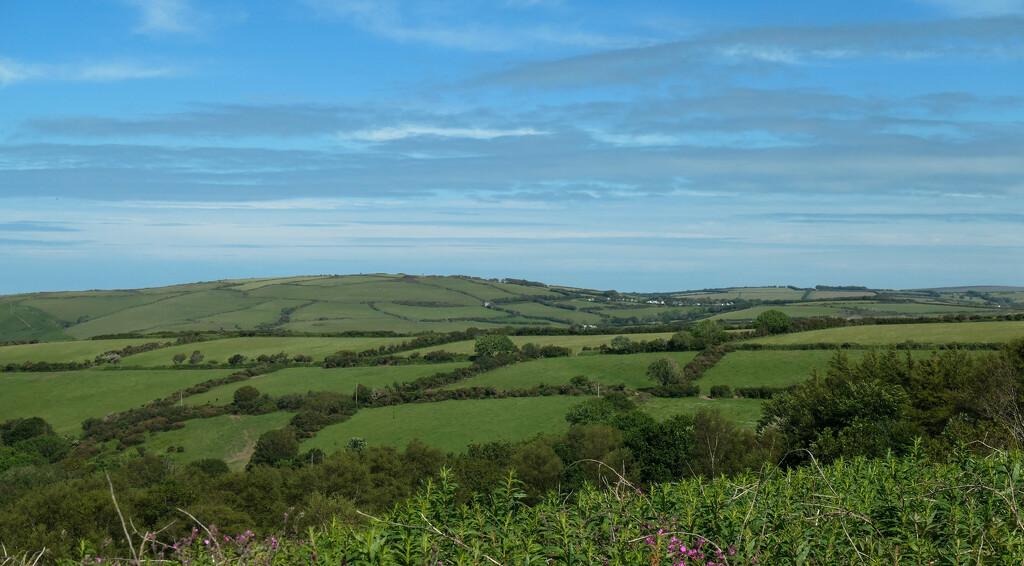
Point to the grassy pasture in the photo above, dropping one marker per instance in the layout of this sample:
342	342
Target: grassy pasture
773	368
543	311
304	379
158	315
264	313
839	294
607	369
73	351
376	291
252	346
330	310
65	399
484	291
525	290
931	333
436	313
762	293
246	285
916	309
393	324
795	311
228	437
71	306
576	342
743	412
449	425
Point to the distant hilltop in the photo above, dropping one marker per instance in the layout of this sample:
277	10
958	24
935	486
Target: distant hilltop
416	303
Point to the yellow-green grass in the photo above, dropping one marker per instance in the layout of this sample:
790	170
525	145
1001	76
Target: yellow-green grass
71	306
246	285
263	313
449	425
332	310
629	370
228	437
930	333
523	290
441	313
575	342
839	294
537	310
638	310
394	325
327	280
158	315
762	293
772	368
743	412
65	399
485	291
253	346
882	309
70	351
779	368
384	291
304	379
796	311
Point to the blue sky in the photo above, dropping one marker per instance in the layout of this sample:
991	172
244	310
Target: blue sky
638	146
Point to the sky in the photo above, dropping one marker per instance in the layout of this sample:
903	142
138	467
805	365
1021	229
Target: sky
640	146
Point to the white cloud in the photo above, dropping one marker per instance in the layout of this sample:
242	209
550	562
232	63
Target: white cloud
12	72
387	19
164	17
402	132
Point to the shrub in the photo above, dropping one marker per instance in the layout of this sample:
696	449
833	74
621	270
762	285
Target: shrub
718	391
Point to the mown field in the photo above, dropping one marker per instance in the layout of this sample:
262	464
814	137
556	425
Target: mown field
63	352
576	343
629	370
228	437
929	333
450	425
218	351
65	399
743	412
304	379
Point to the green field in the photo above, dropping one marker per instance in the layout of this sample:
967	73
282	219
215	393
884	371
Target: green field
544	311
441	313
607	369
750	293
65	399
252	346
305	379
576	342
62	352
795	311
393	324
772	368
449	425
930	333
228	437
743	412
167	312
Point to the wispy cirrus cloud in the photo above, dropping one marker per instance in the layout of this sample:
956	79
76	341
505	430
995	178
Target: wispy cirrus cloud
401	21
393	133
162	17
13	71
721	54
